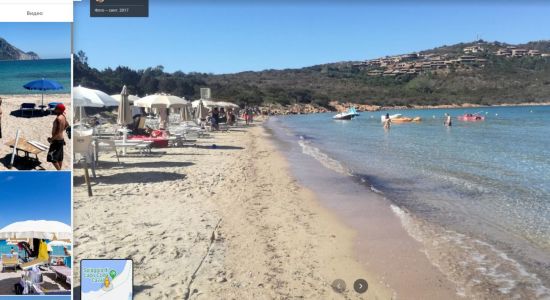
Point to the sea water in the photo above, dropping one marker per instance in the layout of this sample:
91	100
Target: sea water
15	74
476	194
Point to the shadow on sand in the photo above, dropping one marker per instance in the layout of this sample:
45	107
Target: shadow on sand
131	177
219	147
146	164
137	290
21	163
37	113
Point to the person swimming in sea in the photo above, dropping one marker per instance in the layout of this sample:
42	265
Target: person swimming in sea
387	122
448	122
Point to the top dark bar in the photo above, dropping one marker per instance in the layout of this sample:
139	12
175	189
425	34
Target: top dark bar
119	8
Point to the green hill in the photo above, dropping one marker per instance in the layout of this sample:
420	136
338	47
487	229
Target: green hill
494	80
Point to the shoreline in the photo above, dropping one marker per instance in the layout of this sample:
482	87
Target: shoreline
232	219
466	261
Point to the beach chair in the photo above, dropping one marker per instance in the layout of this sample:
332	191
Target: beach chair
62	273
103	144
9	261
27	107
33	263
51	107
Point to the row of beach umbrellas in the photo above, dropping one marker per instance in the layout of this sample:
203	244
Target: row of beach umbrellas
85	97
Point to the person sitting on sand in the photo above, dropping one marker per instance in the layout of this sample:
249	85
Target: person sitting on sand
55	153
387	122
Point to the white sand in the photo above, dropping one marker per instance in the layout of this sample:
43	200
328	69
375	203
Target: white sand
225	223
37	128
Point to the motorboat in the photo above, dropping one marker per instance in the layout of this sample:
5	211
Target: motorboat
471	117
347	115
394	116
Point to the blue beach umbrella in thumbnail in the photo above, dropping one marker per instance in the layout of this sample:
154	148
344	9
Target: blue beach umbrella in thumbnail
43	85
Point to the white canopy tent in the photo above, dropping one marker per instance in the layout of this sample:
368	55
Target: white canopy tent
37	229
131	98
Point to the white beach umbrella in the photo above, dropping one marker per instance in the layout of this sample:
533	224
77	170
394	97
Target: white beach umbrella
205	103
131	98
186	114
124	113
59	243
161	101
201	112
226	104
37	229
85	97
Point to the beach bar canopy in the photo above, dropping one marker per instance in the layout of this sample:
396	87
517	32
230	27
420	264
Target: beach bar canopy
43	85
84	97
161	101
36	229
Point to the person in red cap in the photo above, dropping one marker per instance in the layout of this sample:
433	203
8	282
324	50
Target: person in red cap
57	141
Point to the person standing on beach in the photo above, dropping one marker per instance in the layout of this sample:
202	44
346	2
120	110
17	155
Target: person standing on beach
387	122
55	153
448	121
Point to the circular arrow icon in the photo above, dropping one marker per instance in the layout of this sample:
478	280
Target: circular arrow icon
360	286
338	285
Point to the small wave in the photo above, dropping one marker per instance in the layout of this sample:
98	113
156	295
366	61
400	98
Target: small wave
321	157
476	267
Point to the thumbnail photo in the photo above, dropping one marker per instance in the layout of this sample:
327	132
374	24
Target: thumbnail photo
35	233
35	96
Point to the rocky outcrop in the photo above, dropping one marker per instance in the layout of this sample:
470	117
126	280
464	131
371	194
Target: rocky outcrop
9	52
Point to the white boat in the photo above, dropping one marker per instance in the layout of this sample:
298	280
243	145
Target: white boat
383	117
347	115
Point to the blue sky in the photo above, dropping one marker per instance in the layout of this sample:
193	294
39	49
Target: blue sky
240	36
48	40
35	196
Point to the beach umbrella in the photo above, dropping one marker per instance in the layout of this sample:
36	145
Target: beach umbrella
131	98
59	244
205	103
124	113
202	112
186	114
226	104
85	97
37	229
161	101
43	85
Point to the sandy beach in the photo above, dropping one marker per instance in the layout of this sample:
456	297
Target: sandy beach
203	223
37	128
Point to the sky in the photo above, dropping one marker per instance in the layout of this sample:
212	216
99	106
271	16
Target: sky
240	35
35	196
48	40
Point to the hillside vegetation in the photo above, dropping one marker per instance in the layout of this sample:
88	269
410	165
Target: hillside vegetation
500	80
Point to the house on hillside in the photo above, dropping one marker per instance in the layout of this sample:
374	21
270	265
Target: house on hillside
504	52
519	52
534	53
473	49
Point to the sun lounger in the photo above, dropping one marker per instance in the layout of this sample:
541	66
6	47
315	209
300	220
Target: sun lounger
27	107
9	261
62	272
33	263
40	290
27	147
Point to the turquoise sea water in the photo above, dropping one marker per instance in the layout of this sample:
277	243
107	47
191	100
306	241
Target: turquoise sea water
57	251
488	182
15	74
